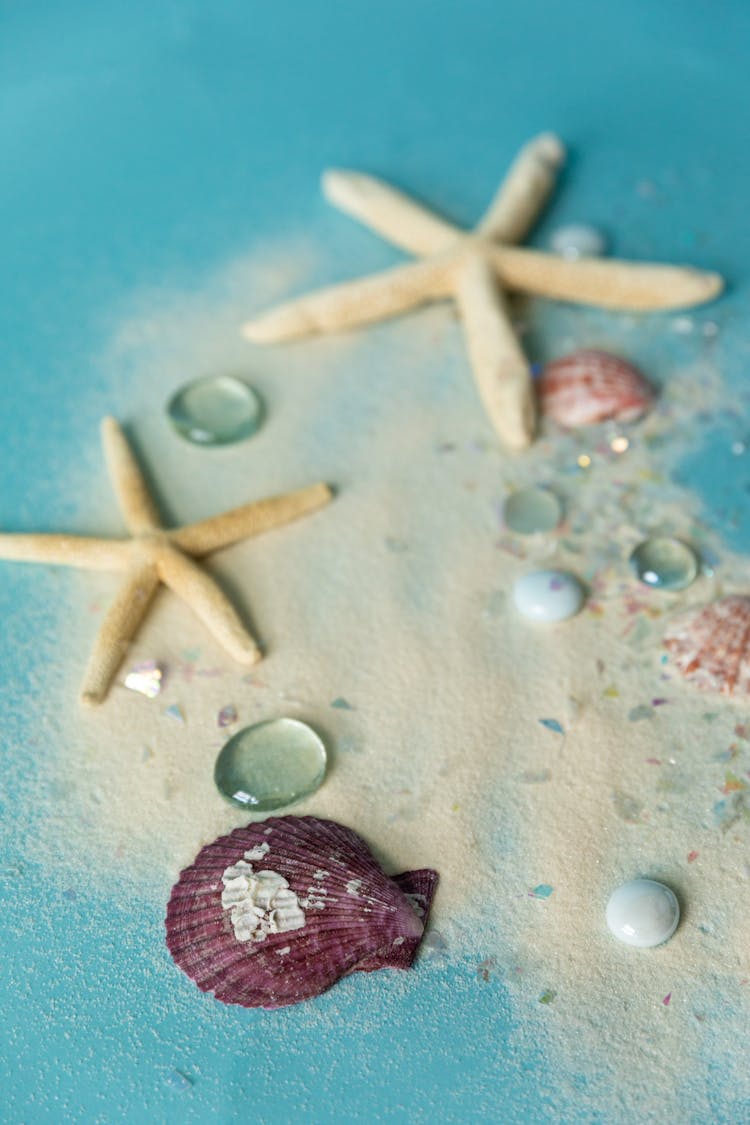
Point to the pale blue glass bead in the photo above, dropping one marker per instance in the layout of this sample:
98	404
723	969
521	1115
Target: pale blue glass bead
217	410
548	595
643	913
532	509
667	564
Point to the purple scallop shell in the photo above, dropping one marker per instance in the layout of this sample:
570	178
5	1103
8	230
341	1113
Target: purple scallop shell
356	918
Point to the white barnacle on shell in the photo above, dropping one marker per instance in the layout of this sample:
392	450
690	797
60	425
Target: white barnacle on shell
259	902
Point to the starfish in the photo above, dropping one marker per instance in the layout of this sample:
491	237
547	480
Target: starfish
474	268
153	555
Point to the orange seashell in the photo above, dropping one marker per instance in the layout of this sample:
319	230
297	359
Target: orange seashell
591	386
711	646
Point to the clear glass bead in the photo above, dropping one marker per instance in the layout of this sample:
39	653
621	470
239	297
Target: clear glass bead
664	563
532	509
270	764
217	410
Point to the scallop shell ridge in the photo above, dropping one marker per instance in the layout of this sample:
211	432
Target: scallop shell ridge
278	911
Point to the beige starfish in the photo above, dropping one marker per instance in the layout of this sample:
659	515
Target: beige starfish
474	268
153	555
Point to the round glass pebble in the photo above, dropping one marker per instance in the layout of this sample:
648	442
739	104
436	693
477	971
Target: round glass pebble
217	410
532	509
665	563
270	764
577	240
548	595
643	913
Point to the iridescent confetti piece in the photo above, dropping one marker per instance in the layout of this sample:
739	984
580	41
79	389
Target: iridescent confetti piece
730	809
692	856
667	1000
342	704
553	724
486	968
547	996
146	678
543	890
641	712
733	783
434	945
180	1079
227	717
175	712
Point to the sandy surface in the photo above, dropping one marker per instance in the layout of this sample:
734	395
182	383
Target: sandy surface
396	600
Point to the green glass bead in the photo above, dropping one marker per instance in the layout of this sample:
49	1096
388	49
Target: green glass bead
270	764
217	410
666	564
532	509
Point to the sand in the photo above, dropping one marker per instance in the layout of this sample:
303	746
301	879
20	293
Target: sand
395	599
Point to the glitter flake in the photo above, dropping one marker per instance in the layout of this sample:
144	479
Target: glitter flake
553	724
146	678
227	717
542	890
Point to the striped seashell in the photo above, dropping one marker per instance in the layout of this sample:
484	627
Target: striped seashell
279	911
711	646
591	386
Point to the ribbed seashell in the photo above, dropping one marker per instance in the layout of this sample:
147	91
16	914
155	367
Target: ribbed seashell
277	912
591	386
711	646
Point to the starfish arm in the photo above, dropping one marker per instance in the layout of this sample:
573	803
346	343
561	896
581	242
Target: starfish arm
120	624
354	302
66	550
608	283
388	211
132	493
221	531
500	368
525	189
186	579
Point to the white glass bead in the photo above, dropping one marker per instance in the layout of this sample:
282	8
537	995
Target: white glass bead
643	913
577	240
548	595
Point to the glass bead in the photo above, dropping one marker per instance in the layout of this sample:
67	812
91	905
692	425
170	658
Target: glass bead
217	410
577	240
666	564
548	595
270	764
643	913
532	509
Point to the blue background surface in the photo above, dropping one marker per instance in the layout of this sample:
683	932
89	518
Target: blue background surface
144	142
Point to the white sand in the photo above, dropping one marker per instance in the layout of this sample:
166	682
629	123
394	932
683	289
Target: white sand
396	599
